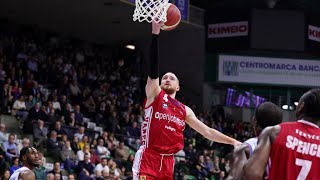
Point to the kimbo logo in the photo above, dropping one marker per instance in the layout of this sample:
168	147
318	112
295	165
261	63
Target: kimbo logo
228	29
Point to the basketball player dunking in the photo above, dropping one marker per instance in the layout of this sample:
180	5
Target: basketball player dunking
164	122
266	114
29	158
293	147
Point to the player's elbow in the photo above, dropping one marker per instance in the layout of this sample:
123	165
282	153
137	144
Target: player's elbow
251	173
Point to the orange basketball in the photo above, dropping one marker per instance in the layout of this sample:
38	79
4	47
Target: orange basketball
173	18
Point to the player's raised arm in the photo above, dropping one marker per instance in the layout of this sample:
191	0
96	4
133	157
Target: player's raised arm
256	165
207	132
152	86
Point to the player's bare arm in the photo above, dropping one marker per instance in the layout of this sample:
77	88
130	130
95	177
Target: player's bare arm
207	132
256	165
239	159
152	86
27	175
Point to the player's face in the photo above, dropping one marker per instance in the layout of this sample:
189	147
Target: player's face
33	157
170	83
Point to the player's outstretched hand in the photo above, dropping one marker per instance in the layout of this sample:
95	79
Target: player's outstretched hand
156	27
236	143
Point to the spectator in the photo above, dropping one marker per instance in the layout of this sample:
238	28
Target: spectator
53	146
85	168
57	176
128	165
84	141
52	116
59	130
29	103
6	175
216	168
39	171
68	157
19	108
222	175
3	135
40	135
35	91
50	176
101	167
75	144
114	172
113	123
57	170
121	152
10	147
80	132
25	143
3	163
103	152
180	156
35	114
78	116
94	158
86	150
133	132
208	164
15	165
190	153
71	177
56	104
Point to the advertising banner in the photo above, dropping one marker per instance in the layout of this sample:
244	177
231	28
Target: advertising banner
314	33
231	29
267	70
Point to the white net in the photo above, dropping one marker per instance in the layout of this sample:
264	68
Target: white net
151	10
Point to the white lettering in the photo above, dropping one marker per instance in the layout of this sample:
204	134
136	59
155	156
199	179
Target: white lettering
289	142
313	149
169	118
302	147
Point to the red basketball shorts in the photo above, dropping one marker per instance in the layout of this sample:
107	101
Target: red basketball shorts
151	165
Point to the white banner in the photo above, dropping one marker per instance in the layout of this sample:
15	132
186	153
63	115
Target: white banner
231	29
314	33
266	70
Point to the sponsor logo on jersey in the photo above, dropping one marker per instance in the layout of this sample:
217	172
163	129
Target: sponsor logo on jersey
169	118
165	105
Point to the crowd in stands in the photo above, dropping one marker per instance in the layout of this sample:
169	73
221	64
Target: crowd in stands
83	108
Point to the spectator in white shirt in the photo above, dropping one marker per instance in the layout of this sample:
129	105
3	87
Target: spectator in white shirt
103	166
103	152
80	134
19	108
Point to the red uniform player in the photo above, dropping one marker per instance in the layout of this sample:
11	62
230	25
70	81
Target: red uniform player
164	122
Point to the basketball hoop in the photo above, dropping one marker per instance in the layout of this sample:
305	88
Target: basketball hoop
151	10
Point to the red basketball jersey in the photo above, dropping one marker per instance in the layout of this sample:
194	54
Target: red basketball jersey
164	122
295	153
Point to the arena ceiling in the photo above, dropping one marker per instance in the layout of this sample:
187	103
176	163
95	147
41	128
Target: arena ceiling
101	21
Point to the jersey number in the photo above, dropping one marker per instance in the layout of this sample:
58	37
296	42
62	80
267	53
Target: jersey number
165	97
305	168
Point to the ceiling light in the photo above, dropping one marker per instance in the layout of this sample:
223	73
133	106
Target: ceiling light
285	106
130	46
